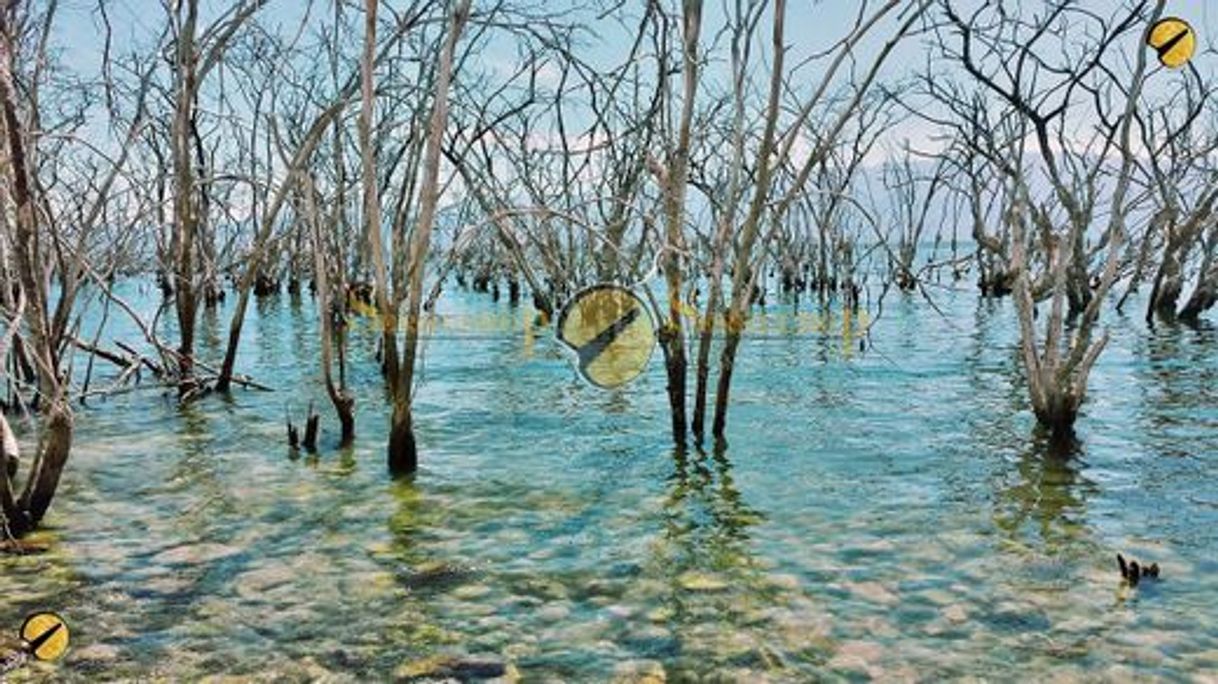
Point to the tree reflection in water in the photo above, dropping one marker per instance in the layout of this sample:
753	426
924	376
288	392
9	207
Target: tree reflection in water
715	585
1045	495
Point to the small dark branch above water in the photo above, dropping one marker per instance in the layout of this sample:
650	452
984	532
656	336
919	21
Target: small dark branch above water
293	433
1132	572
312	425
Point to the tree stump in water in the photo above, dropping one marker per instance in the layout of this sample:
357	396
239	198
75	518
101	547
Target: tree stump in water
1133	573
213	295
265	286
311	430
293	435
312	425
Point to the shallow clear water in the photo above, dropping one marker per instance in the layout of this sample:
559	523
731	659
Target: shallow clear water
887	513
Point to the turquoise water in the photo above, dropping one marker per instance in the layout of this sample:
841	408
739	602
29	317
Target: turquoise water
886	514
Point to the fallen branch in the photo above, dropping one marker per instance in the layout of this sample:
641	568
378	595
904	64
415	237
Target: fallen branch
149	363
112	357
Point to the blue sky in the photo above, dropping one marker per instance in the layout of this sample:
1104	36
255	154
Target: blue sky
812	25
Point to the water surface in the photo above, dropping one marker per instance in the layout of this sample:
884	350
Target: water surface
888	513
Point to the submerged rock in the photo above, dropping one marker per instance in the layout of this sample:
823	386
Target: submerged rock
437	574
955	614
874	592
858	656
96	653
554	612
471	592
639	672
192	554
256	583
461	668
660	614
693	580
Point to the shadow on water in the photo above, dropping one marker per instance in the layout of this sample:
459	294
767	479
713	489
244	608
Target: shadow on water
991	367
196	474
407	521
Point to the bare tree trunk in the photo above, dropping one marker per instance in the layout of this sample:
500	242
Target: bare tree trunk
676	178
254	262
746	270
56	439
343	401
184	201
1057	377
741	276
387	300
723	232
1205	293
54	446
1169	280
10	514
403	451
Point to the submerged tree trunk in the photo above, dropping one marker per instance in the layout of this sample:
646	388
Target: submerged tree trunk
185	205
676	181
723	231
742	272
727	362
1205	293
1178	244
706	333
402	452
48	464
55	441
343	400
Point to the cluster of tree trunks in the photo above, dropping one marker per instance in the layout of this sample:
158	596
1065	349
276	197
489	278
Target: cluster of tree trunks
560	175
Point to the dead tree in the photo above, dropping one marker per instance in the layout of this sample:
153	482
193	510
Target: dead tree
196	53
331	317
1178	172
770	204
1040	93
20	514
914	196
48	241
409	258
674	179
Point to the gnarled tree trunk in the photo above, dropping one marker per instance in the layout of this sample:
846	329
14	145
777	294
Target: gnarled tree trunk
55	443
